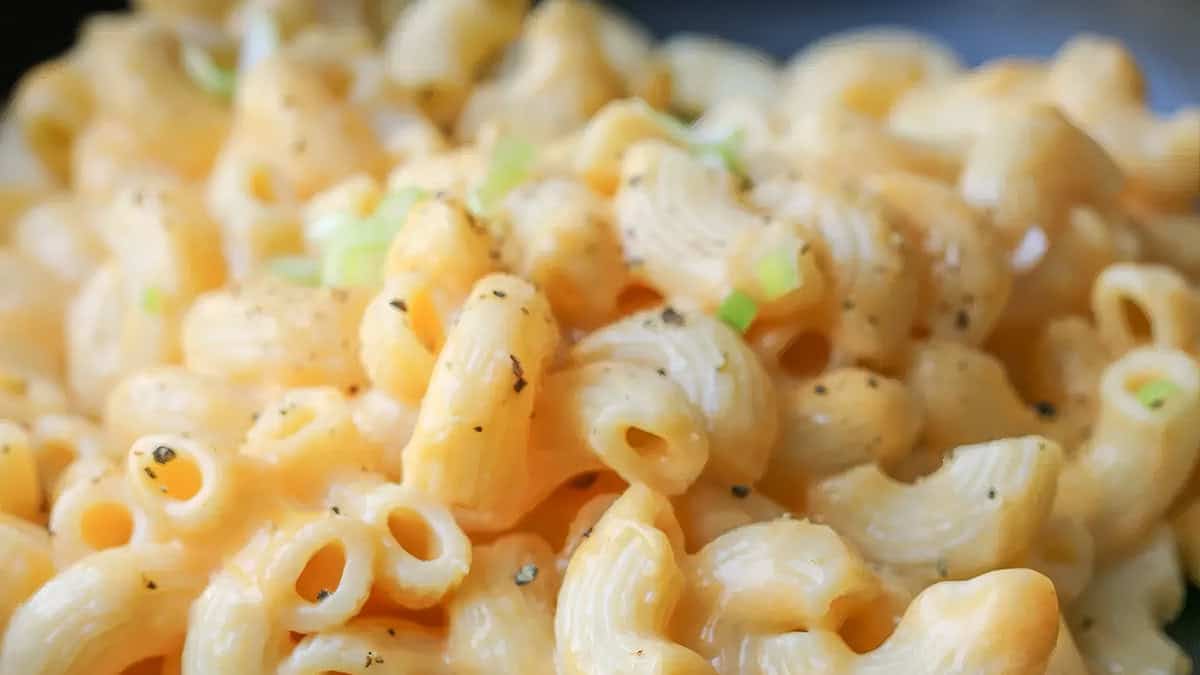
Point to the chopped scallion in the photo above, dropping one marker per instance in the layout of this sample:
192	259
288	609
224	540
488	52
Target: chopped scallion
738	310
725	152
206	73
152	300
778	274
511	163
1155	393
297	269
353	254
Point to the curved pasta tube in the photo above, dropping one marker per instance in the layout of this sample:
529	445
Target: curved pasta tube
560	64
706	71
1066	553
185	483
866	257
386	423
437	47
966	397
25	561
20	491
446	244
866	70
1096	81
231	630
561	239
95	510
502	617
56	233
306	436
1140	304
717	371
59	440
964	276
981	510
51	105
847	417
317	572
420	552
804	577
1140	455
1003	622
1033	167
469	447
582	524
136	606
634	555
401	332
372	646
609	134
650	434
26	393
1065	371
275	333
708	510
1118	620
680	220
197	404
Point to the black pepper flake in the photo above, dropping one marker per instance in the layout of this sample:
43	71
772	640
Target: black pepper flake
525	311
639	652
587	533
163	454
1087	623
670	316
804	249
150	584
4	449
337	511
1045	409
322	594
662	371
943	569
991	493
820	390
352	390
526	574
392	632
962	320
635	181
740	491
372	658
500	294
399	304
1157	403
872	383
516	366
477	428
519	384
847	305
584	480
150	472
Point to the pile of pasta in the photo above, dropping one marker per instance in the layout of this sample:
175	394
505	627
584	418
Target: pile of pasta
460	336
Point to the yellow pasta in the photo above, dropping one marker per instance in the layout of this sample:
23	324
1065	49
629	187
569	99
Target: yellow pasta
439	337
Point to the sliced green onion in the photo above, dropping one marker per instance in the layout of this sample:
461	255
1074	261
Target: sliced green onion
297	269
725	152
778	274
206	73
320	230
152	300
738	310
1156	392
392	210
511	163
351	262
260	39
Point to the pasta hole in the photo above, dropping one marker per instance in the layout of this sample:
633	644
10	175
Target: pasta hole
868	627
636	298
1137	322
645	443
261	185
323	573
151	666
292	419
106	525
180	477
805	355
426	325
412	533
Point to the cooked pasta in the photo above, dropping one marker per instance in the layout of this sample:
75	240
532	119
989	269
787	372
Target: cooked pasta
474	337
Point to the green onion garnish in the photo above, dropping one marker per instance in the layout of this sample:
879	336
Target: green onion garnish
778	274
152	300
738	310
1155	393
725	152
354	252
206	73
297	269
512	160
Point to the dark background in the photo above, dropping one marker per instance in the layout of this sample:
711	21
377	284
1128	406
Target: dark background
1163	34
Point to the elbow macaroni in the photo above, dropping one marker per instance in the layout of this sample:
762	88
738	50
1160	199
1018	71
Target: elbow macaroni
882	365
